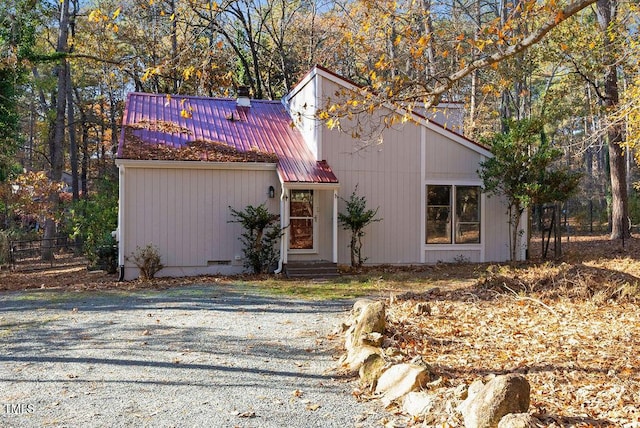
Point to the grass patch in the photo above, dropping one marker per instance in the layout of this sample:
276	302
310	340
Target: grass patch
314	290
369	284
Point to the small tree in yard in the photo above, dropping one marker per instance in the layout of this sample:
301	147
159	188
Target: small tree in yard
522	169
260	236
356	218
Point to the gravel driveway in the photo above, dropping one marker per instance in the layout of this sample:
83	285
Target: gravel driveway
196	356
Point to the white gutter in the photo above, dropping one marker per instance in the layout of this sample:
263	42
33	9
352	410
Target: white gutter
121	230
335	226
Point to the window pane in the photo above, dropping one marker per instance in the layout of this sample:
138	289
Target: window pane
438	225
438	215
467	206
439	195
301	234
467	214
301	203
468	233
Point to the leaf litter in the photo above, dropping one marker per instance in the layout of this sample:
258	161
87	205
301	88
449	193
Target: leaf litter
570	327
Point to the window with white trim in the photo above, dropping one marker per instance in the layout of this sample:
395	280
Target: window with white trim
452	214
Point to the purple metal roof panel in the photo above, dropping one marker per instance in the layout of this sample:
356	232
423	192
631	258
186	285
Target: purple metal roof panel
178	121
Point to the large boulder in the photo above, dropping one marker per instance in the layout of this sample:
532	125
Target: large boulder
487	404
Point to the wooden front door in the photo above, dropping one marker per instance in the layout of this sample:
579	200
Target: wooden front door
302	220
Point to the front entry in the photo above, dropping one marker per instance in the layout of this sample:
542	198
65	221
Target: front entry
302	217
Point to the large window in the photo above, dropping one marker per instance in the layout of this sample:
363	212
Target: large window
453	214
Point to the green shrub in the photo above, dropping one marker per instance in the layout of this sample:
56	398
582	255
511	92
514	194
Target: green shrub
92	220
260	236
355	219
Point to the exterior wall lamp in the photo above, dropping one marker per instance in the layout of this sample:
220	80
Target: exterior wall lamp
272	192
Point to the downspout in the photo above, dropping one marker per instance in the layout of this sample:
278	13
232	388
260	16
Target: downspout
282	226
121	226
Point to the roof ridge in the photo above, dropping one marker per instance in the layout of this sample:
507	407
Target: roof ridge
199	97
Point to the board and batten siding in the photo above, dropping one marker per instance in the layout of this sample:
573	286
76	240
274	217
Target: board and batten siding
185	213
388	175
447	162
393	175
302	109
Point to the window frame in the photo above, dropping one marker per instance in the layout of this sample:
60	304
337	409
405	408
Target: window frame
452	240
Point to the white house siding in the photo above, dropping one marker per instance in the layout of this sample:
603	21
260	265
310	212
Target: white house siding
388	175
185	213
447	161
497	231
302	108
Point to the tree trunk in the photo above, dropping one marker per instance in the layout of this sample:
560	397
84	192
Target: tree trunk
56	146
84	139
73	144
354	262
606	11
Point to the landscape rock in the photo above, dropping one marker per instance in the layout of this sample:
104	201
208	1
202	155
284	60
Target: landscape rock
369	317
417	403
373	339
371	369
486	405
399	380
518	420
355	357
367	324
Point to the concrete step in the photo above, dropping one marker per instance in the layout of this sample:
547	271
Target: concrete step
316	269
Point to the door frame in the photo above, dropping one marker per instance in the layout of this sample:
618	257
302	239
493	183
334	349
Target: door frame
284	217
315	224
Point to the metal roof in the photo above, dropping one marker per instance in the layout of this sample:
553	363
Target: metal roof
264	127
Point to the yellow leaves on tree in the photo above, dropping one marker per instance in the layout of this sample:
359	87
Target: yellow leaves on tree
97	16
629	113
149	72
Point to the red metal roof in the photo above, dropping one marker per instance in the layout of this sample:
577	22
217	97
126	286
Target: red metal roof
265	127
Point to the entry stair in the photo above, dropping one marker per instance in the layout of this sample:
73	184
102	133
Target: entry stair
315	269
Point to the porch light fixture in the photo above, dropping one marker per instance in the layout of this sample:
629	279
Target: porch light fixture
272	192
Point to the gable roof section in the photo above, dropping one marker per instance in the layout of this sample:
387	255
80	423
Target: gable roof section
416	116
211	125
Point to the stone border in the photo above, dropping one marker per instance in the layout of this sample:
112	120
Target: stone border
503	402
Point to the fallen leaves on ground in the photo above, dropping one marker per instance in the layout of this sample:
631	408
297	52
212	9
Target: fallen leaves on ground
570	328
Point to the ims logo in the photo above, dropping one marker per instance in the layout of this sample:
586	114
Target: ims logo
18	409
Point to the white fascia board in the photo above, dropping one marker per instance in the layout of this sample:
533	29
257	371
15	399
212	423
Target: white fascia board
304	82
250	166
297	185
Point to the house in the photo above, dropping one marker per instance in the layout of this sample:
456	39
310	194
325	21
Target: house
183	161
